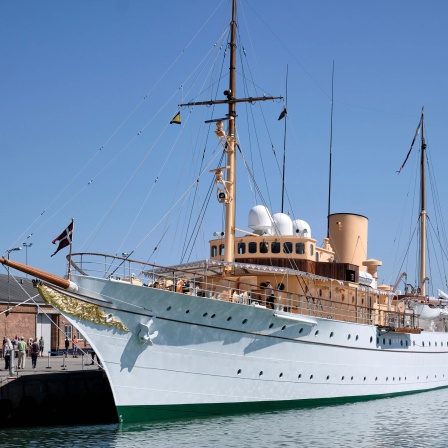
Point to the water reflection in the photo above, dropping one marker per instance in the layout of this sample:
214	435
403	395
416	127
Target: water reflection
411	421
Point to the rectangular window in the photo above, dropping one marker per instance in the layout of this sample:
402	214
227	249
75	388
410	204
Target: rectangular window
300	248
214	251
68	332
264	247
252	248
275	247
287	248
221	249
241	248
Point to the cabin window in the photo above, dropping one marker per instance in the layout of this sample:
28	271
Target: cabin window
317	256
300	248
214	251
287	248
241	248
252	248
311	250
275	247
264	247
221	249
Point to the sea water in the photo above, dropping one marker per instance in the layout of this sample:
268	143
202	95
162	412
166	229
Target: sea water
417	420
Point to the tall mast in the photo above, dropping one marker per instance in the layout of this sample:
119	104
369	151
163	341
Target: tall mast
226	187
423	209
331	150
284	142
230	205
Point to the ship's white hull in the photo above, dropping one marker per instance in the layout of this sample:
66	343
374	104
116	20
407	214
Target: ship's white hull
206	355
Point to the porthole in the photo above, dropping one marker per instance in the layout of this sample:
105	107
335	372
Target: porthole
261	373
426	376
351	378
239	372
435	344
316	333
393	379
376	378
311	377
418	377
401	342
399	378
168	308
365	378
390	341
342	379
186	312
328	377
423	343
281	374
387	378
213	316
384	341
284	327
205	315
271	325
301	330
244	321
406	343
377	340
413	342
429	343
349	336
331	334
229	318
300	376
357	337
371	339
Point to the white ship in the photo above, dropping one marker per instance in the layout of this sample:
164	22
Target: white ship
271	320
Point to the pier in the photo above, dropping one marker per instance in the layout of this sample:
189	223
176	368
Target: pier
59	391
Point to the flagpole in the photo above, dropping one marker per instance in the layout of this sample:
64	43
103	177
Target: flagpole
70	254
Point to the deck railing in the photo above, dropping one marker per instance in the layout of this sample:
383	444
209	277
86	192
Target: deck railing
202	283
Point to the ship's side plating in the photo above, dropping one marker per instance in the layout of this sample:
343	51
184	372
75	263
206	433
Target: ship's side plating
200	352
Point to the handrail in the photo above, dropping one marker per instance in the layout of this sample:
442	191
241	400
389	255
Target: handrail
236	289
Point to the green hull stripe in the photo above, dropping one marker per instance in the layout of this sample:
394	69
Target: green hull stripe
131	414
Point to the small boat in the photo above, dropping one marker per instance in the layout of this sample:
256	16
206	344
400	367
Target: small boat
272	319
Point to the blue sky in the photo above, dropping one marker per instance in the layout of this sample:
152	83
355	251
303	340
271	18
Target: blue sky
80	76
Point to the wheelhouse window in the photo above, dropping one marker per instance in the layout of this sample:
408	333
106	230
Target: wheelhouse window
264	247
300	248
221	249
213	251
287	248
241	248
275	247
317	256
252	248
